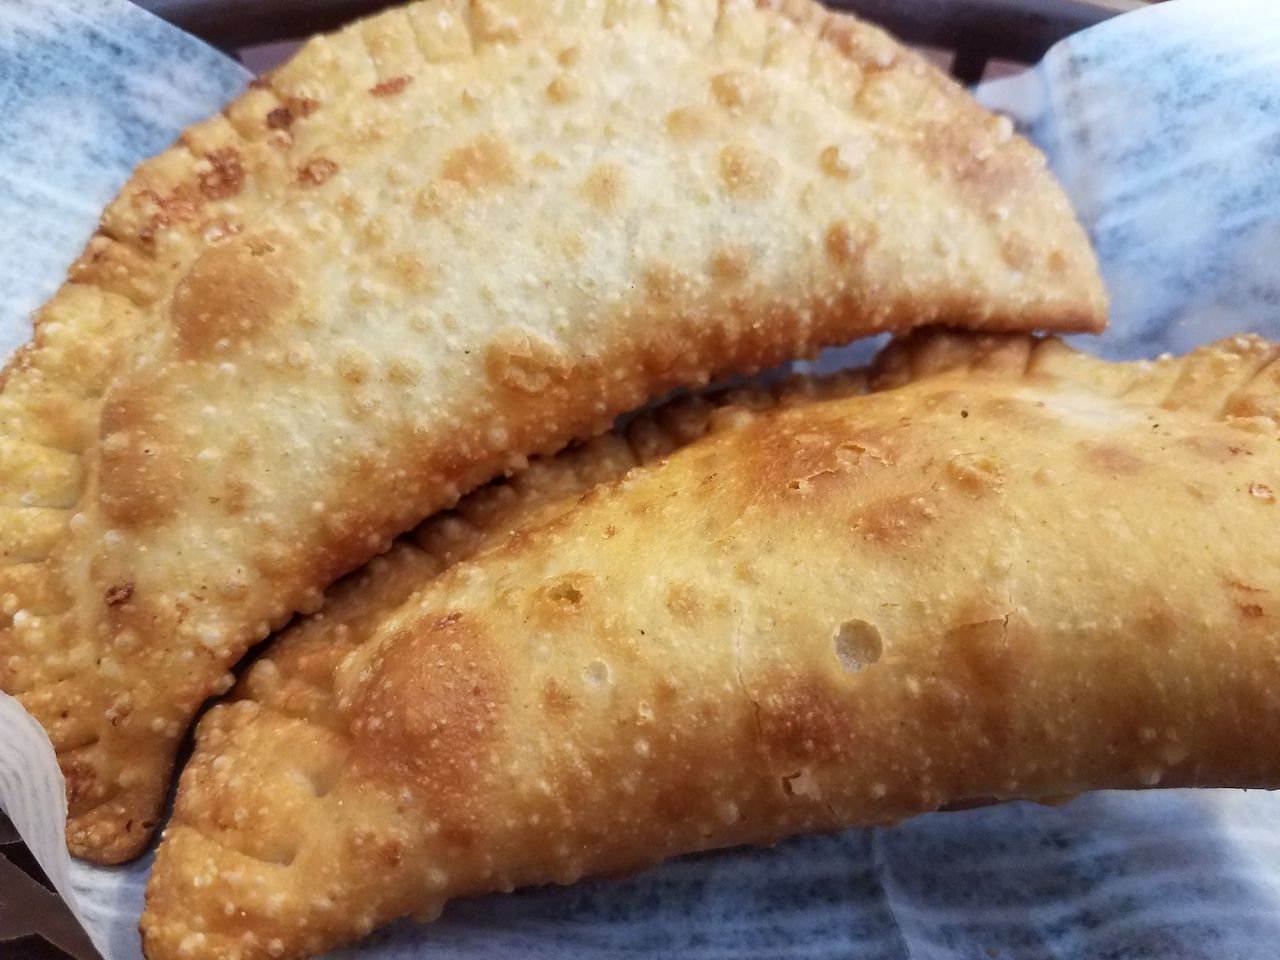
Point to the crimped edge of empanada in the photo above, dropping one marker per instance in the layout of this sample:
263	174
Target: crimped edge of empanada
1236	379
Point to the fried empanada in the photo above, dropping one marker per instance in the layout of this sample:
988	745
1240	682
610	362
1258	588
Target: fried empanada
288	691
1014	572
293	678
446	238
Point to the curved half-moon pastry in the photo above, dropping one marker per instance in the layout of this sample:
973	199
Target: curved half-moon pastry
451	236
1014	572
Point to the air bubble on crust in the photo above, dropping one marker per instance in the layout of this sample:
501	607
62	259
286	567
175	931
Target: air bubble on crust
857	645
596	673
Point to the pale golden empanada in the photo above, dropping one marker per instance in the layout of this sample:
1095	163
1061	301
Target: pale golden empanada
1015	572
443	239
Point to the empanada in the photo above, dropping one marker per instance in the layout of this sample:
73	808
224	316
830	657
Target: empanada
448	237
1014	572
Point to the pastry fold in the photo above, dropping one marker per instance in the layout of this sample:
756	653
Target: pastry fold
1011	572
447	238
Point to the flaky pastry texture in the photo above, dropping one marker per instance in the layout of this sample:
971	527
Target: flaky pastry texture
446	238
1014	572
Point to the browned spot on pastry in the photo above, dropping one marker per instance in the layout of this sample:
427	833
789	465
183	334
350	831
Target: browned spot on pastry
349	206
688	123
896	520
391	86
116	267
747	173
244	448
985	663
413	273
373	230
562	89
517	361
495	23
1240	585
846	244
1019	251
427	715
1012	410
1058	263
869	52
992	654
118	594
556	700
316	171
281	118
836	161
162	211
225	176
571	244
963	151
1216	448
481	164
803	719
791	459
663	283
302	106
1264	403
563	594
604	186
676	801
231	294
568	56
1247	597
943	700
434	198
235	495
140	480
730	264
737	90
975	474
1114	459
869	446
666	693
84	789
1260	491
683	602
1156	620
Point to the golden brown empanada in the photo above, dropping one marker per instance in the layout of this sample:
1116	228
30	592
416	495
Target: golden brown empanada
288	690
448	237
1015	572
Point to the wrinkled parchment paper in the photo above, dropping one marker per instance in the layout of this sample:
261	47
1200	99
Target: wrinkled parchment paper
1164	125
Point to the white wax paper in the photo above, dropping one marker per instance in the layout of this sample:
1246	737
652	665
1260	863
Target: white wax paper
89	88
1164	126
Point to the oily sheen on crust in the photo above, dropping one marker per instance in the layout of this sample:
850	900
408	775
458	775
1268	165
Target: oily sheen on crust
845	612
465	233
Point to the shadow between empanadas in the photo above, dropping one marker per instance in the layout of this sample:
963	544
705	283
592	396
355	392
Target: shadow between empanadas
1013	571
